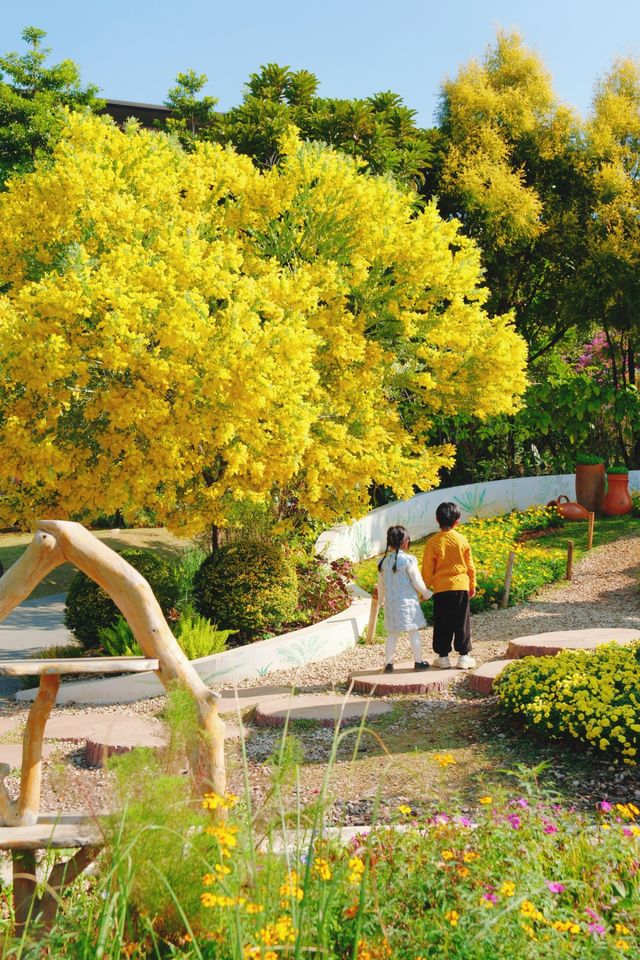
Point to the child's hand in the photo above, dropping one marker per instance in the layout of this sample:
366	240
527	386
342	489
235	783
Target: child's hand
427	595
472	593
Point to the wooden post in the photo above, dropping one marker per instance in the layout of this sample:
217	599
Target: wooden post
592	520
569	559
507	580
373	619
31	774
24	887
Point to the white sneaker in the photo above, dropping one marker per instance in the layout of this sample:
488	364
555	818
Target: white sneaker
443	663
465	662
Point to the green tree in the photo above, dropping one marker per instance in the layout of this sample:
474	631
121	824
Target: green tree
193	117
380	130
512	169
32	95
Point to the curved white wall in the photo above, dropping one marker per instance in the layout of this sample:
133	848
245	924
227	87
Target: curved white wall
367	537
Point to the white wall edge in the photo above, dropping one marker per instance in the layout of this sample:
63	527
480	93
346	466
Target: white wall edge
320	641
367	537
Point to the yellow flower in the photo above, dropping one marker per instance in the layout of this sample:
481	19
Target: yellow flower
508	888
444	759
452	916
447	855
322	869
470	856
485	800
404	809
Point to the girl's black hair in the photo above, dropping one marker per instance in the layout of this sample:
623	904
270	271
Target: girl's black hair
395	538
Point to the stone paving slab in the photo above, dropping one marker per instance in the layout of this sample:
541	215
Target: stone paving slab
233	700
548	644
404	679
481	680
11	753
79	727
326	709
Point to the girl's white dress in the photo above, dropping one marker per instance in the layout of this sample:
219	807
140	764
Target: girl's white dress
399	593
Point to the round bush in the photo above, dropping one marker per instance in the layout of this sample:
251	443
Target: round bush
590	696
89	609
250	587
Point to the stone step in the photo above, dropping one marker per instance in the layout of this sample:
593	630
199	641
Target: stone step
326	709
548	644
404	679
481	680
11	753
233	700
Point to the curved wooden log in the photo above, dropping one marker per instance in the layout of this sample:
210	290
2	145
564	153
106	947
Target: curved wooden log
31	774
135	599
41	557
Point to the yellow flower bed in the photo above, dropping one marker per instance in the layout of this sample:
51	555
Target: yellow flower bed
590	696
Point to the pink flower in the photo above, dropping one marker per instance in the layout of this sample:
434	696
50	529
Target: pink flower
591	913
556	887
605	806
522	803
441	818
464	822
596	928
549	827
515	821
491	897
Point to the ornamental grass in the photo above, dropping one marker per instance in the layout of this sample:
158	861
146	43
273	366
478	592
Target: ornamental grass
511	874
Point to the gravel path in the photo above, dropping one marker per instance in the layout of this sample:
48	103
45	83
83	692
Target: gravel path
605	591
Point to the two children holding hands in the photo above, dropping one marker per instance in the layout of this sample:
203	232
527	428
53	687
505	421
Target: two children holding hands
448	574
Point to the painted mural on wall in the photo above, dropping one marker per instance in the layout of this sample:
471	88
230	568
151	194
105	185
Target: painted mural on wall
366	537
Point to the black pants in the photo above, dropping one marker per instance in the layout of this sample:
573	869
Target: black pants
451	622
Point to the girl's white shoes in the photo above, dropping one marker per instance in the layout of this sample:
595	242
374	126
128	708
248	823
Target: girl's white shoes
465	662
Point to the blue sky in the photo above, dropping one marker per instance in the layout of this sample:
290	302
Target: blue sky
133	50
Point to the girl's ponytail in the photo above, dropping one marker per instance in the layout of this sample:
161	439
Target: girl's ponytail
395	538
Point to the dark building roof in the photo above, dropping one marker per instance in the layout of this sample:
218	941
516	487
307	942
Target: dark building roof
145	113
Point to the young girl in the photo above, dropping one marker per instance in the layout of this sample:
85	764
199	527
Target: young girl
399	588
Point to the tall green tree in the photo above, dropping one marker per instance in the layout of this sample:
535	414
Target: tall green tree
512	169
193	117
32	95
380	130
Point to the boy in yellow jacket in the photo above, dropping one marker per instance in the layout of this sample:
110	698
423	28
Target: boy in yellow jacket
448	570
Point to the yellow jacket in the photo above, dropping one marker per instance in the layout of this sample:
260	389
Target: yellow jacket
447	563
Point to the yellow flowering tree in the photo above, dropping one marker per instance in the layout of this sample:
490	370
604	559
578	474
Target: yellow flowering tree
178	331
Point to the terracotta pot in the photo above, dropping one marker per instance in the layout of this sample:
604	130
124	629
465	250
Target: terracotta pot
569	510
590	485
618	499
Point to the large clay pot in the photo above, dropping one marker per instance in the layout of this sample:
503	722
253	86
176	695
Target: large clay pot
590	485
568	510
618	499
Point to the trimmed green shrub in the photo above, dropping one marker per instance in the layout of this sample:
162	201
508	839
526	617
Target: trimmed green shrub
89	609
618	468
251	587
590	696
588	460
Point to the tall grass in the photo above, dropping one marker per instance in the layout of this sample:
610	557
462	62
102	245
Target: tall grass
517	876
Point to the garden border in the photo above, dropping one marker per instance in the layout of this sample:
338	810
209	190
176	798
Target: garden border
366	537
320	641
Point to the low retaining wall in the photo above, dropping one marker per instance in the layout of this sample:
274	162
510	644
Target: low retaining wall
296	649
367	537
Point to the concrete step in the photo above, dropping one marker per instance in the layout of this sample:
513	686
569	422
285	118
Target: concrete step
326	709
404	679
548	644
481	680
